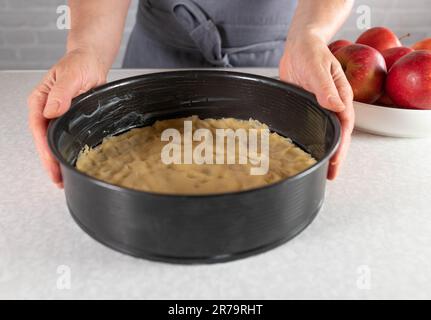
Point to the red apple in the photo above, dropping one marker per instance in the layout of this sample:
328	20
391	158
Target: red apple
392	55
423	45
334	46
365	69
379	38
409	81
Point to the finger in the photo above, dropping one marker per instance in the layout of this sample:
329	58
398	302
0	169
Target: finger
347	119
321	83
66	87
38	125
339	157
343	86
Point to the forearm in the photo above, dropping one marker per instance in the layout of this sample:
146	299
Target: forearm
320	18
97	25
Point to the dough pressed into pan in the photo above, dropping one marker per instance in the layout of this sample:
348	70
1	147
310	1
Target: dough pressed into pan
136	159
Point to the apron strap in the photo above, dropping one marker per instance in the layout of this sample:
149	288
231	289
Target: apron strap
202	31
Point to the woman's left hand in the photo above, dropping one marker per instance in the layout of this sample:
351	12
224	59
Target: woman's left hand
307	62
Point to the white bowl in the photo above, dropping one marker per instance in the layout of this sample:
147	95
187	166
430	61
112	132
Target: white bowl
392	122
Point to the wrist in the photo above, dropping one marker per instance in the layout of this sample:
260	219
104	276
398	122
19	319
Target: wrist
305	34
78	42
90	50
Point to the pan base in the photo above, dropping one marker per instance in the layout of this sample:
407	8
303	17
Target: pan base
194	260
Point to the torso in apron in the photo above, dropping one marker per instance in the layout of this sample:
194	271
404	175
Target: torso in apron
205	33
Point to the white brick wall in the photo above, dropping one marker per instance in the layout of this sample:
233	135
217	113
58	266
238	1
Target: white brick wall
29	38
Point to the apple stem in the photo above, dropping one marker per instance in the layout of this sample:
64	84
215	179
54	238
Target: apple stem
405	36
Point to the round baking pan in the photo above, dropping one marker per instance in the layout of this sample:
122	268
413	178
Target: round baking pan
194	228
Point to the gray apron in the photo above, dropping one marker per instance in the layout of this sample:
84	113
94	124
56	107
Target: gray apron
209	33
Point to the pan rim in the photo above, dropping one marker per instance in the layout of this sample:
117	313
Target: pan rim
334	121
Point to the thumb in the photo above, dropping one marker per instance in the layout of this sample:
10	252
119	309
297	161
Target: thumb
64	90
323	86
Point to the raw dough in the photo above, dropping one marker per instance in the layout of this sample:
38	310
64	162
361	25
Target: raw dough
133	160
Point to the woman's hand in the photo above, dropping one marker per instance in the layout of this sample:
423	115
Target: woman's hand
78	71
308	63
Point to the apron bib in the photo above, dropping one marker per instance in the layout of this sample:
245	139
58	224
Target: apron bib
209	33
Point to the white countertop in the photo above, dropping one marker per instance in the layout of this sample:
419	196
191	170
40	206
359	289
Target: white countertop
372	239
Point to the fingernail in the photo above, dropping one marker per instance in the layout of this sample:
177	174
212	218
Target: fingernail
336	103
51	109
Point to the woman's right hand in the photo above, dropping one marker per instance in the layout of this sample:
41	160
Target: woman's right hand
77	72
